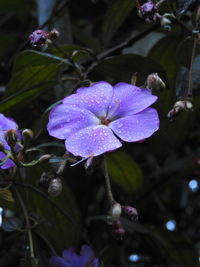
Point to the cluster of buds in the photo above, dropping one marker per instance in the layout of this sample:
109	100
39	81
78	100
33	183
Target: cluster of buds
148	11
51	183
114	215
179	106
154	82
40	39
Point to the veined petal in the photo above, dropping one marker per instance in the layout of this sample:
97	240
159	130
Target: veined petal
95	98
64	120
129	99
92	141
136	127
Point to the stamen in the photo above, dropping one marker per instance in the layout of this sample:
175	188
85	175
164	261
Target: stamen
110	115
81	160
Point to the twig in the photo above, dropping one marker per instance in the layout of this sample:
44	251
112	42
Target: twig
76	67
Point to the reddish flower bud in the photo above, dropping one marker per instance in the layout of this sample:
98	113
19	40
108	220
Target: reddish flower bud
118	230
130	212
38	38
11	137
148	11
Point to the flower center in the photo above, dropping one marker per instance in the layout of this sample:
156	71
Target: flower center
105	121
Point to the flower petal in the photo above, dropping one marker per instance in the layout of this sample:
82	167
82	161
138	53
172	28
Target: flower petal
72	258
129	99
87	254
7	123
92	141
95	98
56	261
8	164
136	127
64	120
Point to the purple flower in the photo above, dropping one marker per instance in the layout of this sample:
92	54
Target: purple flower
91	120
71	259
5	125
148	7
37	38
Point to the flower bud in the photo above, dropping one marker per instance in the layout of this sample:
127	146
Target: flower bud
27	135
148	11
11	137
154	82
118	230
166	23
55	187
179	105
115	212
189	105
38	38
130	212
45	179
53	34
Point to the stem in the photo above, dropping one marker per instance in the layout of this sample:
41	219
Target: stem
191	68
76	67
107	181
26	219
30	186
193	53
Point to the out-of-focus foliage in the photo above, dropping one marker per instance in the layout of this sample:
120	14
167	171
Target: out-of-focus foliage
159	177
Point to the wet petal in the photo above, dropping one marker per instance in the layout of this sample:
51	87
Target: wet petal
129	99
136	127
64	120
95	98
92	141
7	123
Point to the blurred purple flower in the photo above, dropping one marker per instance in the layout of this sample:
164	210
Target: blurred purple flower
71	259
90	120
5	125
148	7
38	38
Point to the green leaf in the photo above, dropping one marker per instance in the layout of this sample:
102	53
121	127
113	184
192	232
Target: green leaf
17	7
59	217
6	194
33	73
121	68
124	171
114	17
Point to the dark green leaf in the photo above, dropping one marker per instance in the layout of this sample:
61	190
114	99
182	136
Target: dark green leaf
59	217
114	17
121	68
34	72
124	171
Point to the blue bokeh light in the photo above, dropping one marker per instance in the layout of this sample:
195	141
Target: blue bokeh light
134	258
171	225
193	185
